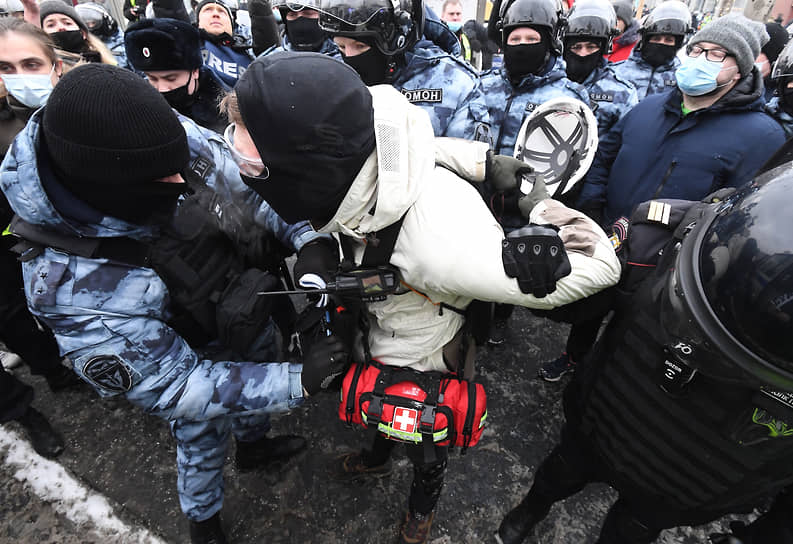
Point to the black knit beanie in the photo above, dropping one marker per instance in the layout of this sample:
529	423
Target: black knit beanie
48	7
163	44
107	125
204	3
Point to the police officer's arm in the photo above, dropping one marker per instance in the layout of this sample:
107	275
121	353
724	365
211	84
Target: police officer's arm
264	29
212	162
471	119
172	9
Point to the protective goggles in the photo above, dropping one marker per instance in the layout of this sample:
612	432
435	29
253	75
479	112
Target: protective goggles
250	166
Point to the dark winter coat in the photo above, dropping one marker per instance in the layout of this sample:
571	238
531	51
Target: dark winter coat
655	151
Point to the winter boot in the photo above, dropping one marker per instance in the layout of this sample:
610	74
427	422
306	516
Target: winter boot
351	468
415	528
208	531
44	439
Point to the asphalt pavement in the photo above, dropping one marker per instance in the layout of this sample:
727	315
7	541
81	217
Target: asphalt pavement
126	458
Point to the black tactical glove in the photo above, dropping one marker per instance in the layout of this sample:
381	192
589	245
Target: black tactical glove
504	172
320	257
536	257
323	361
538	193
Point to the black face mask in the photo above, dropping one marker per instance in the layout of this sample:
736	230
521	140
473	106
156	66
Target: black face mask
371	66
786	98
658	54
524	59
579	67
297	193
69	40
305	34
180	99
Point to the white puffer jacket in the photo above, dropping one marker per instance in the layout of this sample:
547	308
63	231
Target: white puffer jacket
449	248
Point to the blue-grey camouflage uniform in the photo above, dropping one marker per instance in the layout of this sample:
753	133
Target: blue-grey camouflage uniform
645	78
508	104
610	96
116	45
784	118
328	48
448	89
110	319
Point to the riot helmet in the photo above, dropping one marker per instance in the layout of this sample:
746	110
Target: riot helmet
782	74
304	33
727	309
671	17
391	26
98	19
542	15
588	21
593	20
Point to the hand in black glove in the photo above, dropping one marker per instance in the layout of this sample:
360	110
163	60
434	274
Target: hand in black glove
323	361
536	257
504	173
320	257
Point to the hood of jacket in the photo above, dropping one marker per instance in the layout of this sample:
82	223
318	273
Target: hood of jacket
390	180
20	180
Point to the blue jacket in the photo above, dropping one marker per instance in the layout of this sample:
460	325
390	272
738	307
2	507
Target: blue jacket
655	151
116	45
784	118
644	77
448	89
610	96
229	64
508	104
116	313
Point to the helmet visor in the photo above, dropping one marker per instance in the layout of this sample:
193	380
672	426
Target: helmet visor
352	15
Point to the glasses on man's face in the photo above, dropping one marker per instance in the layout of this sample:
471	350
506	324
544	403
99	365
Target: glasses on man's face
250	166
713	55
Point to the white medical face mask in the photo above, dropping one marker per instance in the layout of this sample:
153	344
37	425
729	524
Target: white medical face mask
32	90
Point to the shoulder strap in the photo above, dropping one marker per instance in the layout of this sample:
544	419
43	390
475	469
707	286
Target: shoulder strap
122	249
380	247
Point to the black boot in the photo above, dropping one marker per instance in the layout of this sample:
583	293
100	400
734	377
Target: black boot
265	451
519	522
45	440
62	378
208	531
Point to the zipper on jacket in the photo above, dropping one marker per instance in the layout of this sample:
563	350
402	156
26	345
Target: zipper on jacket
504	122
666	178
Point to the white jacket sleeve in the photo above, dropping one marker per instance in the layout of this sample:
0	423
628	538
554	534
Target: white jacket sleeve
450	249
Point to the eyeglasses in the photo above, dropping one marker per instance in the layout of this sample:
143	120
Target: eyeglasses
713	55
252	167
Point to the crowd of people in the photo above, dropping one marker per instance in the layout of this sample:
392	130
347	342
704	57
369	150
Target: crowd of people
158	171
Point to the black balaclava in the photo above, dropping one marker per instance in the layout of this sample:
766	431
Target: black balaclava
312	139
112	163
579	67
658	54
527	58
304	34
371	65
